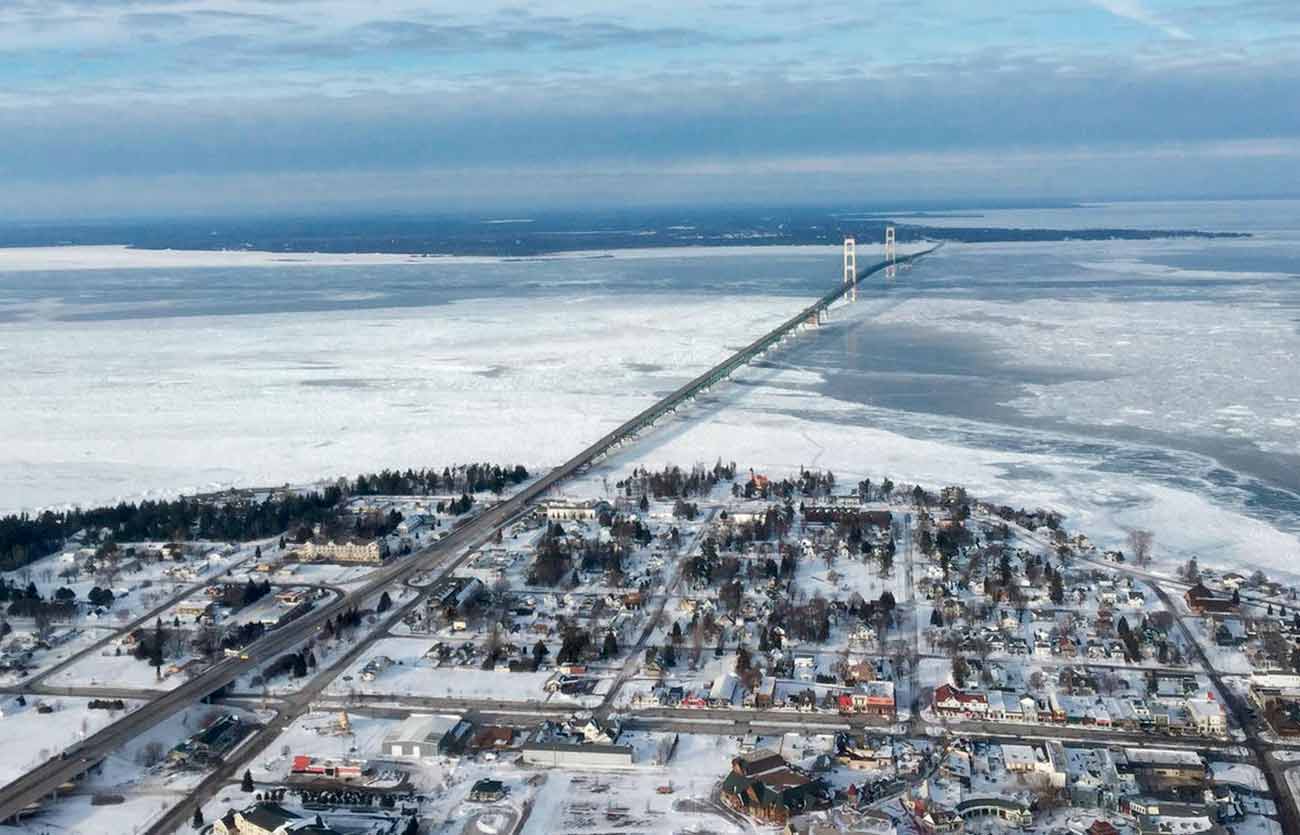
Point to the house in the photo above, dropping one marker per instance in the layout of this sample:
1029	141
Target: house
861	670
723	692
1230	632
412	524
375	667
291	597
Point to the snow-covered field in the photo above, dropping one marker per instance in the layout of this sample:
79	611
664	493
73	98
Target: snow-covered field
412	673
1126	383
30	737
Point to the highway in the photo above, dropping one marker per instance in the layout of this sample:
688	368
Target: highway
45	780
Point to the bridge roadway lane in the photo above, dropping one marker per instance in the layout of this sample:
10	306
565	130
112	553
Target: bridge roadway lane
47	778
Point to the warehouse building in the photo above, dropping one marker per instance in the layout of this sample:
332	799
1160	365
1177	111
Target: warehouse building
421	736
574	754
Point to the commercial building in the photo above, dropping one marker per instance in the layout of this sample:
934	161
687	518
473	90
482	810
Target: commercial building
568	510
1013	812
454	593
268	819
1272	689
1202	601
422	735
1208	717
588	746
365	553
875	698
195	608
764	786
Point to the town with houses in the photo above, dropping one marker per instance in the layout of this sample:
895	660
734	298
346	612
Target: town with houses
703	650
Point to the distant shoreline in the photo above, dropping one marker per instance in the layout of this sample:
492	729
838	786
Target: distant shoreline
69	257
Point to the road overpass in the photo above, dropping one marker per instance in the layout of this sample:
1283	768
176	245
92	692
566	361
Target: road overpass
45	780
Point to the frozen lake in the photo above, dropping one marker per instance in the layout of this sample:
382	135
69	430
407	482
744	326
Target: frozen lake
1146	383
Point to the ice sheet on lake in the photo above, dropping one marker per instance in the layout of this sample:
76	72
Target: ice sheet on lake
103	408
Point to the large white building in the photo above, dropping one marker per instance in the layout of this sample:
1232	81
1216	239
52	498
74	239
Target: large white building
422	735
1208	717
568	510
369	553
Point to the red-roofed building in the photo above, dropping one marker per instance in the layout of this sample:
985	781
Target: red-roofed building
955	702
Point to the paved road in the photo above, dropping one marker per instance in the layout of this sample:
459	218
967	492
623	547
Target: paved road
44	780
1274	772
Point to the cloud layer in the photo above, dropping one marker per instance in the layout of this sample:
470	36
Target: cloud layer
142	105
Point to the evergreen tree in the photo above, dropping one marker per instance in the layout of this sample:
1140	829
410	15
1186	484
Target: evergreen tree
936	617
610	649
197	820
246	785
156	653
385	603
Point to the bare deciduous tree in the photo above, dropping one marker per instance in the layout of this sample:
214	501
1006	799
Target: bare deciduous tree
1139	543
151	754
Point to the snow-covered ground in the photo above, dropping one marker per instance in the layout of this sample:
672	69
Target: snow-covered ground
411	672
29	737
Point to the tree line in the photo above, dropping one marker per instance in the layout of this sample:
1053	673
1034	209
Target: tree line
237	517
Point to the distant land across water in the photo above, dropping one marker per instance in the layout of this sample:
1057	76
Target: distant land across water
526	235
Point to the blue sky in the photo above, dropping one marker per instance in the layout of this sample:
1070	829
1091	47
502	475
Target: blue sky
114	107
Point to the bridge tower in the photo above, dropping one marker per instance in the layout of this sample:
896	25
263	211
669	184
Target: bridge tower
851	267
891	252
